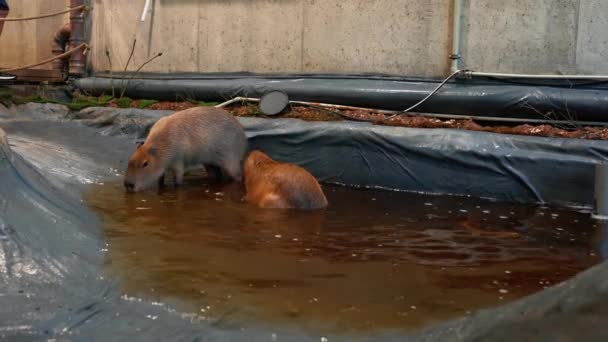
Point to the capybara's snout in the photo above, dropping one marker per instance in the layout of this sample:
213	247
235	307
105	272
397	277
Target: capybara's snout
130	186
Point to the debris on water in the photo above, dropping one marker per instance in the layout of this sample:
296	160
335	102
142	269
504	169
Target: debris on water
502	217
142	208
323	251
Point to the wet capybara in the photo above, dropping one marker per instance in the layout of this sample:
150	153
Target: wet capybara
192	138
271	184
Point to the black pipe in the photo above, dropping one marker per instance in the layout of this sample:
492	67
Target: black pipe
460	97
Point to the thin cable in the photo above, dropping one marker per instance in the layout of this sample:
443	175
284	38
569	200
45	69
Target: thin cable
46	15
428	96
63	55
434	91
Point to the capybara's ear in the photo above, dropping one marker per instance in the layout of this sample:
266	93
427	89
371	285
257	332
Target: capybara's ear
152	151
139	143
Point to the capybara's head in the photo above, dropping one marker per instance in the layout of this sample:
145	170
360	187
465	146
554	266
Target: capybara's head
144	168
255	159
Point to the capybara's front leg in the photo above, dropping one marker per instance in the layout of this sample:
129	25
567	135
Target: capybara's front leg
161	181
233	170
178	174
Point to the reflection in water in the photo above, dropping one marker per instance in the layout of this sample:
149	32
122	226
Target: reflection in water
372	261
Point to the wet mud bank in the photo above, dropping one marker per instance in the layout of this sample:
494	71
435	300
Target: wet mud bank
53	248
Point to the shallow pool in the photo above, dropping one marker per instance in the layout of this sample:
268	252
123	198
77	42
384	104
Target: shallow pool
374	261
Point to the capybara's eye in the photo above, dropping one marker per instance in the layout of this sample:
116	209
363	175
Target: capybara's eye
144	164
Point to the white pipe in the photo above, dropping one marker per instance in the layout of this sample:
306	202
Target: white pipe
470	74
145	12
237	99
456	29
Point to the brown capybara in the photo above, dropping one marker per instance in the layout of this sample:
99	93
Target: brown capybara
195	137
271	184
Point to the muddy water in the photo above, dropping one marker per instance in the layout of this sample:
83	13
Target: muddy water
373	261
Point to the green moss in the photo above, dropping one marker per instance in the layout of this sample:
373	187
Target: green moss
78	105
146	103
206	104
6	96
80	101
123	102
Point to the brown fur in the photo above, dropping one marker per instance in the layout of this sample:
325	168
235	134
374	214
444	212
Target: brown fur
271	184
192	138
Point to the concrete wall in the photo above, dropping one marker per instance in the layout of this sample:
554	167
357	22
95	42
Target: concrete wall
405	37
392	36
27	42
541	36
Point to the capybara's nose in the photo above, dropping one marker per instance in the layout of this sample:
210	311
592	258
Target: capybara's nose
129	186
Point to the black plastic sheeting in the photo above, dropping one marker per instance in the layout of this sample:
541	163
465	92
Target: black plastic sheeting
52	284
506	167
541	100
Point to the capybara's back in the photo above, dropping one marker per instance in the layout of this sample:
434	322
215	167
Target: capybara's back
220	135
271	184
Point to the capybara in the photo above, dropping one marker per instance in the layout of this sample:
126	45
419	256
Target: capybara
197	137
272	184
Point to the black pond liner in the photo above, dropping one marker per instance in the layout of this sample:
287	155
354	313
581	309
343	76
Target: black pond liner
51	253
564	100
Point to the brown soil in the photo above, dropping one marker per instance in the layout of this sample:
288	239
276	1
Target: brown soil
166	105
541	130
295	112
322	114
